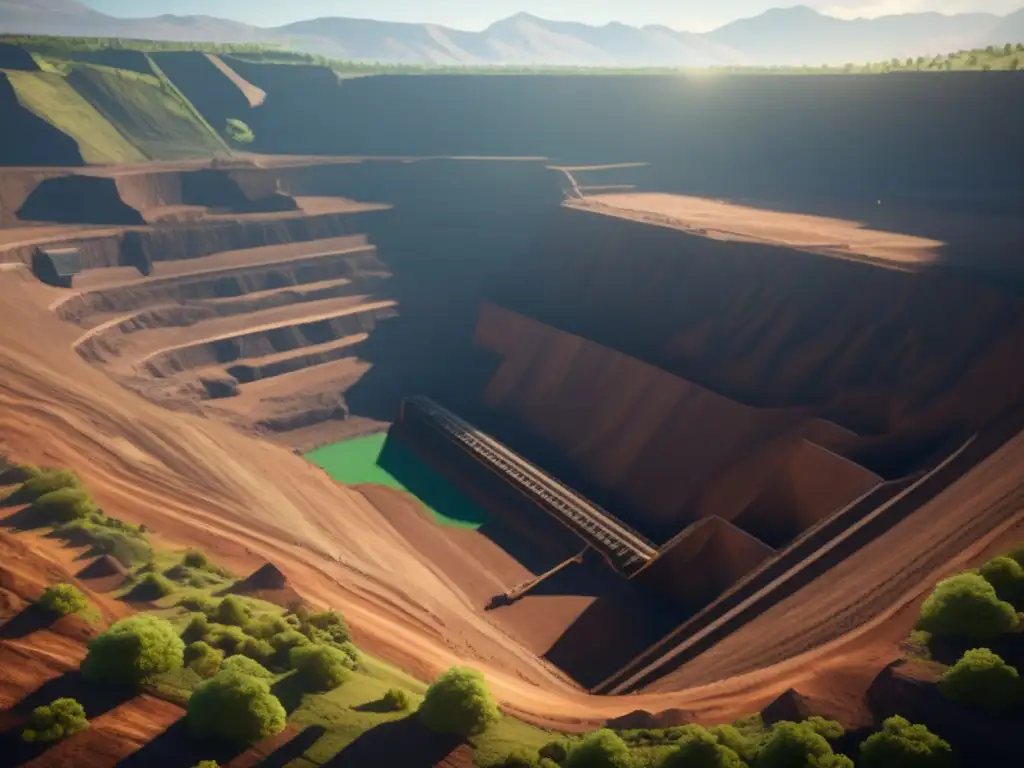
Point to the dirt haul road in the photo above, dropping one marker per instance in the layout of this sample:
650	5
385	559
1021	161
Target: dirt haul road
246	502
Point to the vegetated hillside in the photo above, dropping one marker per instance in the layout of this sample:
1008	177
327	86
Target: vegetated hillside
767	136
146	112
28	139
50	96
204	85
881	352
797	35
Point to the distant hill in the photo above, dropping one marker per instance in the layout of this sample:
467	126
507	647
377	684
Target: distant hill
791	36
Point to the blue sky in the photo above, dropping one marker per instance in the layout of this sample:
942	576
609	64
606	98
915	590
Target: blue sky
695	15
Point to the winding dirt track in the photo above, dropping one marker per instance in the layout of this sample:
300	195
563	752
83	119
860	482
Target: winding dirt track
198	482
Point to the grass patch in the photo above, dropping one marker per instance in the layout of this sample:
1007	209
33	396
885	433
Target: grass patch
49	96
146	110
381	460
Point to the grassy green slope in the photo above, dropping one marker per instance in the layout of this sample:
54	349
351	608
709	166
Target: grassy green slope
49	96
150	114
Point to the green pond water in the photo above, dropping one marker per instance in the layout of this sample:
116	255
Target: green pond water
389	462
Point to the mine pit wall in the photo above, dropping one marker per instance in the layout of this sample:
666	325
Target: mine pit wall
774	136
263	342
226	283
651	447
892	355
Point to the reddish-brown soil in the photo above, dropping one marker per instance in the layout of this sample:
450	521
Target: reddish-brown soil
414	592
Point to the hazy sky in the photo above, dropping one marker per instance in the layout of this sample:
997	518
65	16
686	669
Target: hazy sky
694	15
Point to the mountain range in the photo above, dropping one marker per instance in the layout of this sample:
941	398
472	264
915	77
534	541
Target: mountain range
782	36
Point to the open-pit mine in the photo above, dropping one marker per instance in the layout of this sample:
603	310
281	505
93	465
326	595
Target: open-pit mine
727	394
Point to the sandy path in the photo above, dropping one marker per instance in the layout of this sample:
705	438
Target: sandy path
738	222
255	96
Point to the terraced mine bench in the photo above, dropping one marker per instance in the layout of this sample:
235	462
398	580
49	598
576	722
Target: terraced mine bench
625	550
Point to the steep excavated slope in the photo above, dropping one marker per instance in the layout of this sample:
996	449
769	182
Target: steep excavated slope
206	86
649	443
153	119
883	352
52	98
770	136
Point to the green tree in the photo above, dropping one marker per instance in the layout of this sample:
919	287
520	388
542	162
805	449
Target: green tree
1013	64
320	667
1008	49
235	707
206	764
966	605
601	749
902	745
699	748
981	678
1006	576
133	650
62	599
55	721
203	659
459	702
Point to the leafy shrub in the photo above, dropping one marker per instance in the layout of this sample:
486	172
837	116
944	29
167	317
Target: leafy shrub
966	605
231	611
231	640
283	642
132	650
796	744
265	627
203	659
152	586
197	628
459	702
57	720
207	764
47	482
246	666
700	748
63	506
239	132
828	729
197	560
1006	576
327	627
258	650
62	599
128	547
235	707
198	604
601	749
981	678
193	558
320	667
18	473
730	736
902	745
396	700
